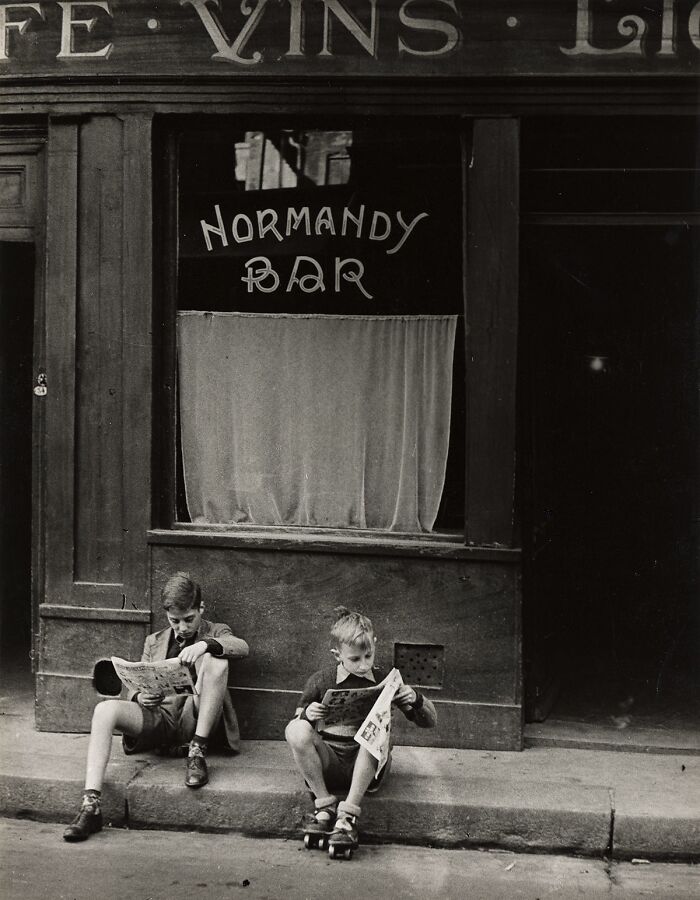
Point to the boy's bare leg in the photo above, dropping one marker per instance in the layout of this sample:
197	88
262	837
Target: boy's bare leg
109	715
362	775
306	746
212	682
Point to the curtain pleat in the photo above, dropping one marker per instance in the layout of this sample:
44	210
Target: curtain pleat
335	421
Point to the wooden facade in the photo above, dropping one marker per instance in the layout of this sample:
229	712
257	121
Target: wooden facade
86	113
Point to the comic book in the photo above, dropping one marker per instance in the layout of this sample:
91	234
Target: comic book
166	676
375	732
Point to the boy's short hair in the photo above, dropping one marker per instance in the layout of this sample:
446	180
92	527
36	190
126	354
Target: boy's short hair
181	592
351	628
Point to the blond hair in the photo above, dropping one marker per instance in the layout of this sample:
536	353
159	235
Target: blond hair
351	628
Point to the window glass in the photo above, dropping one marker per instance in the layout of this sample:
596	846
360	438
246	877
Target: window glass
331	264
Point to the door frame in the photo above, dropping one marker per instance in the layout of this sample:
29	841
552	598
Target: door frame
22	159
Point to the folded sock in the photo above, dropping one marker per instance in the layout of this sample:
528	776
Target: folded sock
201	742
351	809
92	798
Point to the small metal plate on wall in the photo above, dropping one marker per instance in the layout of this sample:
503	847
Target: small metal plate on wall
420	664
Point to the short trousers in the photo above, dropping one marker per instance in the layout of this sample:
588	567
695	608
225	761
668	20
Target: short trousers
338	761
165	727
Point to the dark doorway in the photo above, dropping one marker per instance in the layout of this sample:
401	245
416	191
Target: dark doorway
17	262
610	429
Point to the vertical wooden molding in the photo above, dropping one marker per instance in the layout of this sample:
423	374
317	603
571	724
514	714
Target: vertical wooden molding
137	303
61	288
491	287
99	506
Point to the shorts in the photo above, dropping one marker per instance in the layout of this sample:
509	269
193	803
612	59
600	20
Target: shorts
338	761
165	727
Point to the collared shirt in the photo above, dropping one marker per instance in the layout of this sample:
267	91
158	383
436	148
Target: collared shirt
176	645
342	673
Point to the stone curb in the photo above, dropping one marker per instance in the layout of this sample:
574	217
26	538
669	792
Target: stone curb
433	798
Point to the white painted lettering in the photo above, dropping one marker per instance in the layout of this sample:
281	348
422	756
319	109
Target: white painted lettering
368	42
294	219
452	35
255	277
296	29
208	229
376	217
68	24
238	220
668	29
629	26
349	217
309	283
407	229
354	276
324	219
271	225
229	52
21	25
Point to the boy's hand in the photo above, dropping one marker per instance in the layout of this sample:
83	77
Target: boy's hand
151	699
405	696
316	711
191	654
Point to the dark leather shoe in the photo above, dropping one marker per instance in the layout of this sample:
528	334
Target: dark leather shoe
87	822
196	774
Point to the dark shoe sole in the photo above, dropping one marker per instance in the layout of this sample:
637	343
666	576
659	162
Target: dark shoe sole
197	784
73	837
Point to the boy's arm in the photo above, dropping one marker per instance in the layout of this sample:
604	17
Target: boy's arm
421	712
311	694
229	645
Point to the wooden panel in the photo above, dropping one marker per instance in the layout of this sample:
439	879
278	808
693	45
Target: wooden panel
137	256
282	604
263	715
362	96
491	268
98	351
99	354
99	392
437	37
72	644
20	187
73	640
61	285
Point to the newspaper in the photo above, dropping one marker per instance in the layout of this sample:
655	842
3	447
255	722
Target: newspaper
375	732
346	704
166	676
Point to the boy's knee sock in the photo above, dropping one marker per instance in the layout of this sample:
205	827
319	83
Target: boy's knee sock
350	809
201	742
329	800
92	798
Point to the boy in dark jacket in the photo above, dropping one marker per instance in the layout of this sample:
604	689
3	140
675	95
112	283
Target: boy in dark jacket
157	722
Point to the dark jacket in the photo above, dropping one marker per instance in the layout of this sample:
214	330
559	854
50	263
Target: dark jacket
156	648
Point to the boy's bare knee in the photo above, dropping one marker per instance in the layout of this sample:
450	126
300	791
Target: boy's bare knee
105	712
215	666
298	733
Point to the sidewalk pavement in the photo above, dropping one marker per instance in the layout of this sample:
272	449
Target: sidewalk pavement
621	805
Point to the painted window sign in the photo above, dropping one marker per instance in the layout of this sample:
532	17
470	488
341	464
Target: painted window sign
350	36
320	222
293	214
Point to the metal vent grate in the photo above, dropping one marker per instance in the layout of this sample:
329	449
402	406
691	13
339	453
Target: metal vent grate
421	664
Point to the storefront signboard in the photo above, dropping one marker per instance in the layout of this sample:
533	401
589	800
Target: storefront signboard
477	38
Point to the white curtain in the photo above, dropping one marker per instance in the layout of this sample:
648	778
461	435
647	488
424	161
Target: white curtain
337	421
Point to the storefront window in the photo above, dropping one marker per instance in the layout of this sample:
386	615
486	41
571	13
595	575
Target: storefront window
319	329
